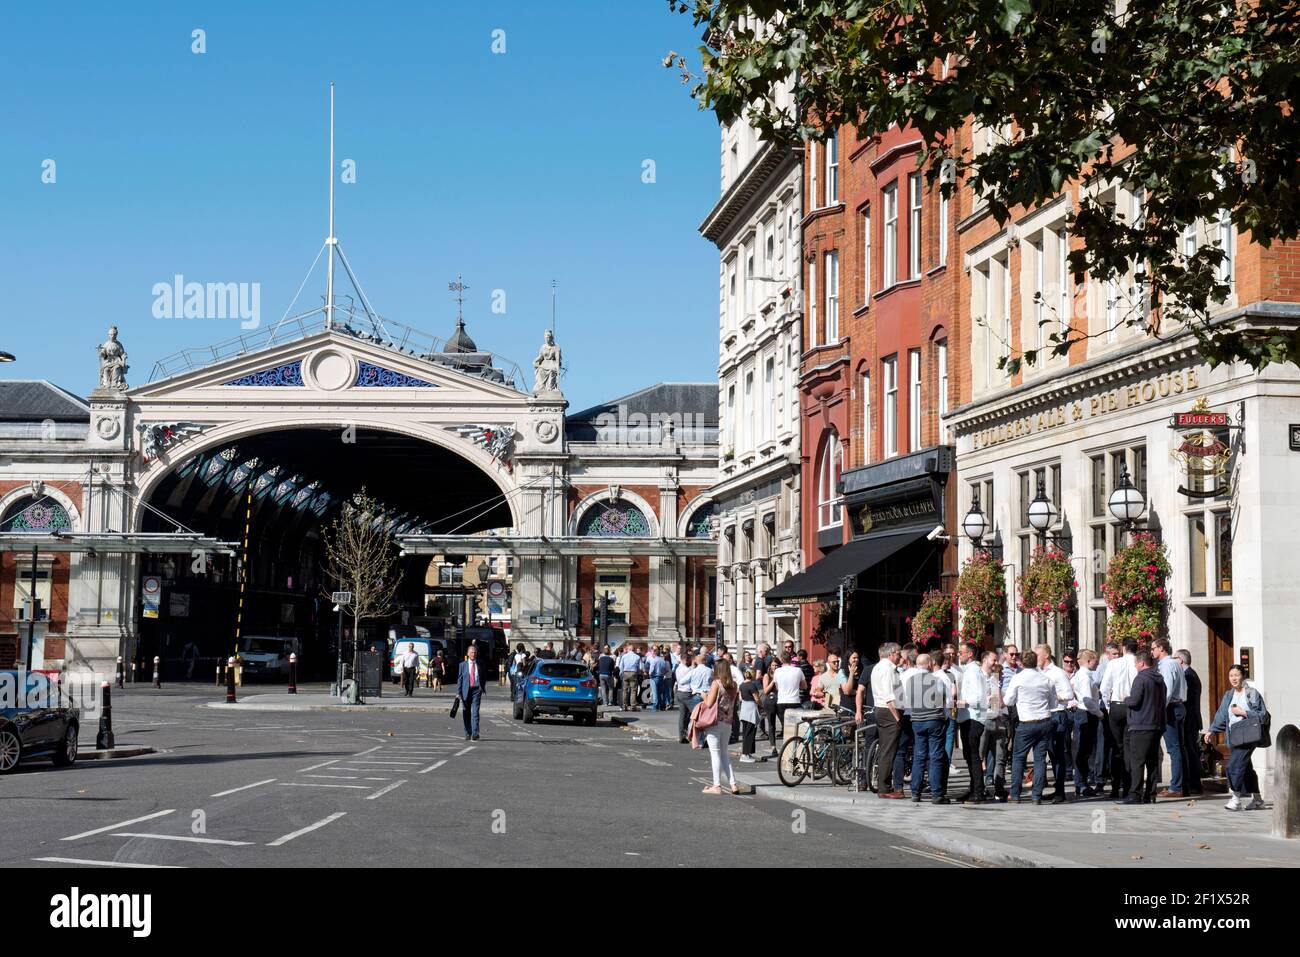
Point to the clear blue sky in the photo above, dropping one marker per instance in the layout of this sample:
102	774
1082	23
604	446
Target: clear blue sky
511	169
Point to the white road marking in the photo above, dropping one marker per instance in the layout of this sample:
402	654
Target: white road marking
368	751
385	762
310	827
933	857
291	784
78	860
382	791
463	751
317	767
181	837
114	827
655	762
432	767
221	794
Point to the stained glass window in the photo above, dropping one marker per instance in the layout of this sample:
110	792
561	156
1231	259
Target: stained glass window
372	376
606	519
35	515
701	521
285	375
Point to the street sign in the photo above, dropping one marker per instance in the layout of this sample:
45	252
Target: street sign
542	619
1198	419
1295	438
496	588
341	597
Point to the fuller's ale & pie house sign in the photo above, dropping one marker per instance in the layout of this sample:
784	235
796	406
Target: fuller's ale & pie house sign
1120	399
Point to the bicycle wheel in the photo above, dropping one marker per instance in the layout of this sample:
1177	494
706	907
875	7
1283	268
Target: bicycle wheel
869	765
842	769
823	755
794	763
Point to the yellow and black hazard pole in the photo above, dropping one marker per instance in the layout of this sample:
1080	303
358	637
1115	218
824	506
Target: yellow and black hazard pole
243	576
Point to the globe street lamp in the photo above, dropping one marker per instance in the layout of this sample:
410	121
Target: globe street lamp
1126	502
975	524
1043	514
7	356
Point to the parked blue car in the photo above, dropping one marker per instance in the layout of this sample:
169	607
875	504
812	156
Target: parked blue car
557	687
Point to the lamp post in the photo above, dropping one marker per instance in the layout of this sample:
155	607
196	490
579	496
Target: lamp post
1126	502
484	569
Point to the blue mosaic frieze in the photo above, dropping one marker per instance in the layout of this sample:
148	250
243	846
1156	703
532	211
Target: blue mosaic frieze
377	377
285	375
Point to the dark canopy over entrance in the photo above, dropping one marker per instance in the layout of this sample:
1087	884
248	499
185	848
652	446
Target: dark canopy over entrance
821	580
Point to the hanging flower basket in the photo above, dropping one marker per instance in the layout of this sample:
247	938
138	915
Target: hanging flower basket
1048	588
931	621
1136	590
981	594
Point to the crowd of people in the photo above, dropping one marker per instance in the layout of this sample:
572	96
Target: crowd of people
1096	722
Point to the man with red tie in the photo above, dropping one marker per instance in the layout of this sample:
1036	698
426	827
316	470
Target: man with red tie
469	685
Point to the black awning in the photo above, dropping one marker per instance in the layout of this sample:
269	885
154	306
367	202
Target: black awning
821	580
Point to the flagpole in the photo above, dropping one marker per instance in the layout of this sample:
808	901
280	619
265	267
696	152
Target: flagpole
331	242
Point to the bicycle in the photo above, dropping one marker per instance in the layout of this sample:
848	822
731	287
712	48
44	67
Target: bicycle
820	750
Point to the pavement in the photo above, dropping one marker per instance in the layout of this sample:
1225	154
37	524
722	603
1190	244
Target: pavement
1194	832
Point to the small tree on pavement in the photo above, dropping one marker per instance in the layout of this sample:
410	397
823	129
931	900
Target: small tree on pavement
361	558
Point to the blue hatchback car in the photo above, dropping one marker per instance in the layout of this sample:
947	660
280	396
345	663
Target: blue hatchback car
557	687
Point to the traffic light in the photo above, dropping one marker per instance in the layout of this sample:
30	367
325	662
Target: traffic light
575	614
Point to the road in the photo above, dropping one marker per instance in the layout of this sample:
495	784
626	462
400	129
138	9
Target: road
305	789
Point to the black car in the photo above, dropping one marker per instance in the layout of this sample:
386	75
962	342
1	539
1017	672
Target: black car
36	731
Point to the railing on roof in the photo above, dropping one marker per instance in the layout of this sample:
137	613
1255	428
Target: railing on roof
348	321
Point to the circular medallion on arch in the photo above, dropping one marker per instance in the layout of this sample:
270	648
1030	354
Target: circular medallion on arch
546	430
331	370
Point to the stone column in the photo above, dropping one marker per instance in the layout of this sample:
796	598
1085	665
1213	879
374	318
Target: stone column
665	612
540	462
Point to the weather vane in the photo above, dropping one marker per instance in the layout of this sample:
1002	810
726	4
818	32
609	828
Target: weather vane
458	288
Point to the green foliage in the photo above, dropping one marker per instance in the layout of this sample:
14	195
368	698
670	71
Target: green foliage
981	593
1048	586
1206	99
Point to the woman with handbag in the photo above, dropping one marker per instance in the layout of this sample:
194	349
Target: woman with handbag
1243	715
769	706
711	723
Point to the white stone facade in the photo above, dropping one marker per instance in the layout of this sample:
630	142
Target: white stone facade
756	227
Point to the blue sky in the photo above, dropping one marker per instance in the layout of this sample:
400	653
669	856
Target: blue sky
512	169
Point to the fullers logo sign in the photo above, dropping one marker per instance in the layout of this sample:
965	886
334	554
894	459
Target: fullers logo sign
75	910
1203	455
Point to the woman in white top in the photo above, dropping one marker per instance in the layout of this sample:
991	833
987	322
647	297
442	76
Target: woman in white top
722	693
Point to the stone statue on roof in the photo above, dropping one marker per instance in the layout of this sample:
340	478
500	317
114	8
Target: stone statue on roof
546	367
112	363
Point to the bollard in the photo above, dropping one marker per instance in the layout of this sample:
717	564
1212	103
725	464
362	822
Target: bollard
293	673
133	672
104	740
156	662
218	681
121	672
1286	783
230	681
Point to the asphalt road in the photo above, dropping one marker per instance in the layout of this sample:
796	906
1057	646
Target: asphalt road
402	790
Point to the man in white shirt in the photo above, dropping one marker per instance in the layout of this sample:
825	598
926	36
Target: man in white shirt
1116	684
1032	693
1105	746
972	706
687	699
410	670
886	690
629	672
790	685
1062	695
1085	715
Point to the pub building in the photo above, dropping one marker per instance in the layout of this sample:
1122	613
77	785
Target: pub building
1151	438
899	512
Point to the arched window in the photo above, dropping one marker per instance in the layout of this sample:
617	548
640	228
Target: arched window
828	471
701	521
613	519
31	514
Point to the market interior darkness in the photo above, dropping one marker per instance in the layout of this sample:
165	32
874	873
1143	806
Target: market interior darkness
431	488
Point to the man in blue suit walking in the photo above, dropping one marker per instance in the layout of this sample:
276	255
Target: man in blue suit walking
469	685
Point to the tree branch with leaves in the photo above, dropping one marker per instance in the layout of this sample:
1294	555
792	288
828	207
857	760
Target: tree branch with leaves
1187	103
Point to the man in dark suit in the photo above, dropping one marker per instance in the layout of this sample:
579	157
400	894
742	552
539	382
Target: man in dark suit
1191	726
1146	723
469	685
